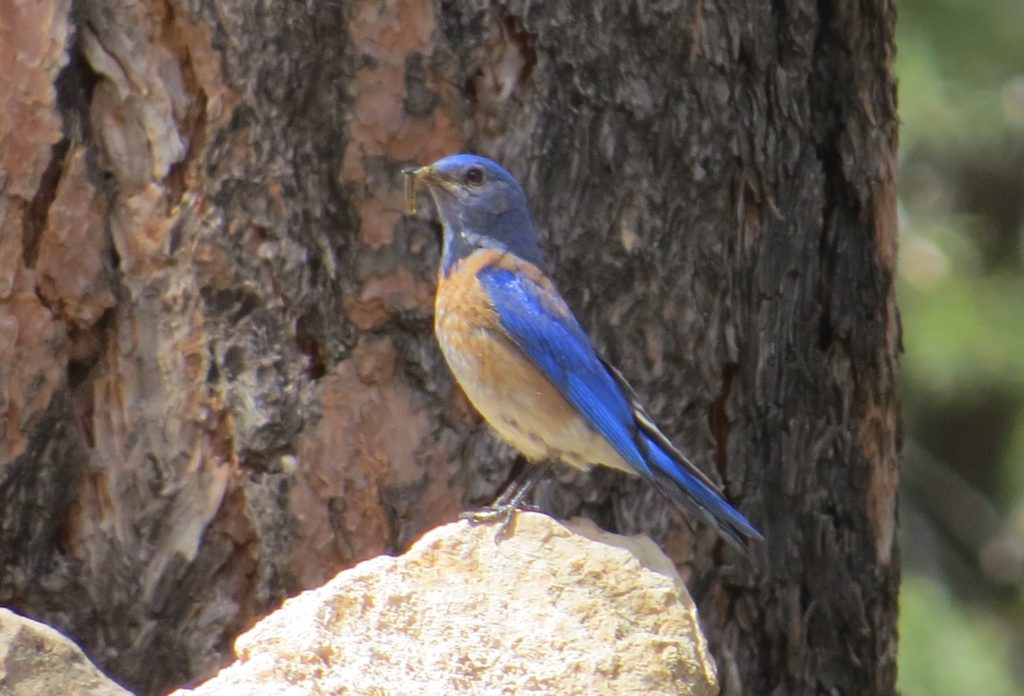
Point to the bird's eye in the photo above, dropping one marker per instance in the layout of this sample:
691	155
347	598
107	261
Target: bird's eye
474	176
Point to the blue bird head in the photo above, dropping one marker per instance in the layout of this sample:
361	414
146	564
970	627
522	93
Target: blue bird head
480	205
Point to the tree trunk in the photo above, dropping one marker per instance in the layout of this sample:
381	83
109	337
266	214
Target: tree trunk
219	383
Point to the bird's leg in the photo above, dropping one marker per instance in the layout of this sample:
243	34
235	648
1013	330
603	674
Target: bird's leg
503	509
521	474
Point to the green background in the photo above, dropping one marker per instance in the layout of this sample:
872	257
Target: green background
961	89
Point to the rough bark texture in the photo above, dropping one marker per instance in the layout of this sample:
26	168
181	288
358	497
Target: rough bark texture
217	380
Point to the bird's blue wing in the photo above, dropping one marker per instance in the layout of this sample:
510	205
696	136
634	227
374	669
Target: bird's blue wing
544	329
556	344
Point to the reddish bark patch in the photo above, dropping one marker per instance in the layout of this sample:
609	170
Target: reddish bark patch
31	363
370	437
383	295
403	113
74	249
32	39
878	441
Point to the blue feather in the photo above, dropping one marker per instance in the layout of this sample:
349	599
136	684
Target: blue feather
558	346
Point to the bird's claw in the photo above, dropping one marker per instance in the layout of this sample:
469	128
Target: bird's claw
504	515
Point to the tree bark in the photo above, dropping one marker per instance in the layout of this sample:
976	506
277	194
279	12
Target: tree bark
219	383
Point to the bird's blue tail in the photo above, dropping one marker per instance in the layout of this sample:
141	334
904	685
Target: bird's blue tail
676	478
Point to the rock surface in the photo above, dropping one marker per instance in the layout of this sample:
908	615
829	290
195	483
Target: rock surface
35	659
559	609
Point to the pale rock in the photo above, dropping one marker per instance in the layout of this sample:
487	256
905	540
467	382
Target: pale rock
35	659
552	609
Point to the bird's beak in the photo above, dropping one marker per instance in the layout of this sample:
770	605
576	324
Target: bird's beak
427	176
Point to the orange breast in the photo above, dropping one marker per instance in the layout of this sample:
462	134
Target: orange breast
515	398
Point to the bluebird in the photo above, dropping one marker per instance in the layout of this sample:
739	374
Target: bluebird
522	358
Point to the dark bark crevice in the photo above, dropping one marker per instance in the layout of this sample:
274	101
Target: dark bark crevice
34	221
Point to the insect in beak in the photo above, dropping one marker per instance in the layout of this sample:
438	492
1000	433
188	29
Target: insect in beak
411	179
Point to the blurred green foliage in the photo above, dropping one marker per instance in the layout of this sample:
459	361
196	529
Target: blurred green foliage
941	661
961	80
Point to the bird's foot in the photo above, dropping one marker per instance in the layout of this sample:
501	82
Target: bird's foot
504	515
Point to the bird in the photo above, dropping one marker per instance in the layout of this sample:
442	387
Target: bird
525	362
